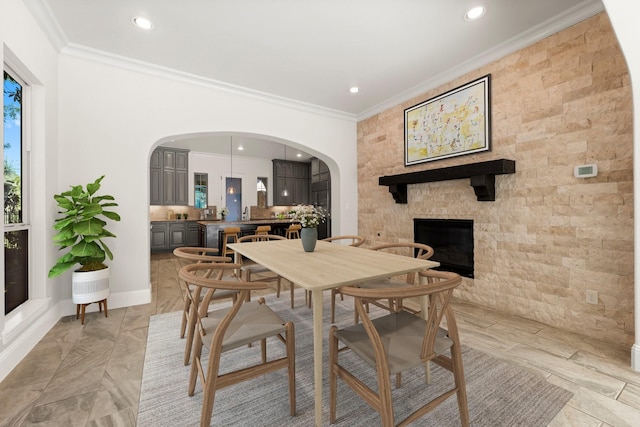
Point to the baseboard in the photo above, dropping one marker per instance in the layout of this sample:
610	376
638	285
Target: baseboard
635	357
115	300
28	338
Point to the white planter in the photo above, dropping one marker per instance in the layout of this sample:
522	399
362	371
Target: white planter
90	286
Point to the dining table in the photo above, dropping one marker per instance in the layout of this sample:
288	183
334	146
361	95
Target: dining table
329	266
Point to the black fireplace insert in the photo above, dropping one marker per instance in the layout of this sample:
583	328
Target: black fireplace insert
452	241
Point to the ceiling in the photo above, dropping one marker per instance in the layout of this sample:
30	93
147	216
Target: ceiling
309	52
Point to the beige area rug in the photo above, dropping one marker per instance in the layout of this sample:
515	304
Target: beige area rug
500	394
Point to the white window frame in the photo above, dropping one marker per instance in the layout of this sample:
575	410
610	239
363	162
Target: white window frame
22	316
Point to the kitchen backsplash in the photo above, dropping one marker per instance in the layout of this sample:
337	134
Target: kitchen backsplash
270	212
164	213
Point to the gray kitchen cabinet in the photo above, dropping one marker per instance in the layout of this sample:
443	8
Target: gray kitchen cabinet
177	235
159	236
192	233
295	176
168	235
168	176
319	171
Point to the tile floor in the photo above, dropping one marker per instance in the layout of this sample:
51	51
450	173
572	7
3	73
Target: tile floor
90	375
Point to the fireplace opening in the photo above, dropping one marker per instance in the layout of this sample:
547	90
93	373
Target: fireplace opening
452	241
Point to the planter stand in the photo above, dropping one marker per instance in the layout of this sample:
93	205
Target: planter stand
81	307
89	287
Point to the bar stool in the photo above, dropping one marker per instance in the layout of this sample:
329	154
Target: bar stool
263	230
229	235
293	232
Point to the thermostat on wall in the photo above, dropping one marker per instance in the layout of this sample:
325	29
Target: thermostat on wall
585	171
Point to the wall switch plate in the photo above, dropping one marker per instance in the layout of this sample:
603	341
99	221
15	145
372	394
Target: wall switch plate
592	297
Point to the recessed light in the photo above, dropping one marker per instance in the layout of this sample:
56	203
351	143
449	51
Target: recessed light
141	22
240	147
298	155
474	13
354	89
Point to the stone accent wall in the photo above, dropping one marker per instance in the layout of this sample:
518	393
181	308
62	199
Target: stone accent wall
548	237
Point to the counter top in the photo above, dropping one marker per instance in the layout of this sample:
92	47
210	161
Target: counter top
247	222
173	220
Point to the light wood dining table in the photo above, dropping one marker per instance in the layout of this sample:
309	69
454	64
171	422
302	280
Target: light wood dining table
330	266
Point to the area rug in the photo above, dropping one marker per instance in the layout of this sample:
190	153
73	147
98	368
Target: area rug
499	394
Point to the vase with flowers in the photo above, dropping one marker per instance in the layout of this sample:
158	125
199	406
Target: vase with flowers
309	217
224	211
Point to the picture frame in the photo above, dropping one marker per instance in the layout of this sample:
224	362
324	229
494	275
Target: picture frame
455	123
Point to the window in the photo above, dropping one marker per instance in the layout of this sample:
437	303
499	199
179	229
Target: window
200	186
16	228
262	192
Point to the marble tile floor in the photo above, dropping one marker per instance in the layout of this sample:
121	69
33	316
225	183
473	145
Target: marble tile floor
90	375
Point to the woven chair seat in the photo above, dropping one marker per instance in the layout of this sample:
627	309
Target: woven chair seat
253	322
402	337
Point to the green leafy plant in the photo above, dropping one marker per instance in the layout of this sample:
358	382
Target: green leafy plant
81	229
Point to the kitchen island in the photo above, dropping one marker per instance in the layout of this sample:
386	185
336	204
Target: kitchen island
210	231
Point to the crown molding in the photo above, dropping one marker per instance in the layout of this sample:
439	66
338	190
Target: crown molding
118	61
47	21
579	13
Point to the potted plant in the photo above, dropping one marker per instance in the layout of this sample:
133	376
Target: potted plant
224	211
81	227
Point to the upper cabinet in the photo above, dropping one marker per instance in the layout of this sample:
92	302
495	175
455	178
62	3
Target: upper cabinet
319	171
295	177
169	176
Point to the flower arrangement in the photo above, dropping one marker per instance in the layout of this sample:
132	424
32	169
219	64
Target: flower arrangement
308	215
224	211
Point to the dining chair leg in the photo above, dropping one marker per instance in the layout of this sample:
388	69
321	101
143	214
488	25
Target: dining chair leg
291	351
333	377
458	375
209	385
185	315
191	333
193	372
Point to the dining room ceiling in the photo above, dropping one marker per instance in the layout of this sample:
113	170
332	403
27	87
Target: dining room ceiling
309	52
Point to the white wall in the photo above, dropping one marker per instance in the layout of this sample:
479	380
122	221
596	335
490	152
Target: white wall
624	15
111	118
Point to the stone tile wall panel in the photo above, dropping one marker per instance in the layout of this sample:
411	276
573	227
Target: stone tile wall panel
548	237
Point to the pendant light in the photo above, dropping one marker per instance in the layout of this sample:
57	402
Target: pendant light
231	189
285	192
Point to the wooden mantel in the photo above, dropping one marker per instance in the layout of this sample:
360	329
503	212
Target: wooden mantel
481	174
